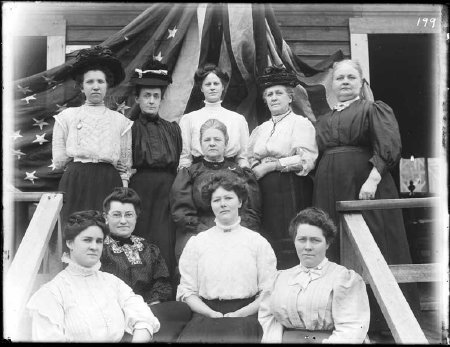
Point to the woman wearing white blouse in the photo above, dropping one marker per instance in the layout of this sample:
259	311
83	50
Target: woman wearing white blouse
224	269
282	151
317	300
83	304
212	82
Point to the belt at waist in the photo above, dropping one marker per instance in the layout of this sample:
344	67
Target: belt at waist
226	306
196	160
343	149
91	160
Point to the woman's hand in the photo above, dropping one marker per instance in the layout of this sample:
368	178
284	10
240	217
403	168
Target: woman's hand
141	335
215	314
234	314
122	168
369	187
264	168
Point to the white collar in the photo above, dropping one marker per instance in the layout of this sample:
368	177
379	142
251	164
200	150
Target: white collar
318	267
77	269
227	228
342	105
216	104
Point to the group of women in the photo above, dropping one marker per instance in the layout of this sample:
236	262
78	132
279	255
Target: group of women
215	206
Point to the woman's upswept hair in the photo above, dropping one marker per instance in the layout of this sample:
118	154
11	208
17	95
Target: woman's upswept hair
214	124
109	76
80	221
123	195
205	70
354	63
316	217
228	181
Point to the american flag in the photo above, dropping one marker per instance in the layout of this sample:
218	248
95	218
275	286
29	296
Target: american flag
242	39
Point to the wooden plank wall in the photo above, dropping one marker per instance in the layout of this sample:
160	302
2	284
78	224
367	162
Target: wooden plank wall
313	31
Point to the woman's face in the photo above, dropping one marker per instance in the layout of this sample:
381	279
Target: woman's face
149	100
212	88
225	205
310	244
94	86
213	144
347	82
121	219
86	248
277	99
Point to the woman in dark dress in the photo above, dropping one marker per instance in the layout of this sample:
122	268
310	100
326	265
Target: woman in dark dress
189	211
156	147
282	151
91	142
360	142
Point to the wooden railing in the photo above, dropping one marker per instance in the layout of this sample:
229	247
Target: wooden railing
360	252
21	277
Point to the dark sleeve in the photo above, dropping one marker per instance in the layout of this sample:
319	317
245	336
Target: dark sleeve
384	137
161	288
182	207
178	141
251	213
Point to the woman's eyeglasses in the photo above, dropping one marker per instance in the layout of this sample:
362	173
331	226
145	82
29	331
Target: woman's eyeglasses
118	215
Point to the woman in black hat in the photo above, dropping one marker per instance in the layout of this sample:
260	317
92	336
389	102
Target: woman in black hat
282	151
156	147
89	141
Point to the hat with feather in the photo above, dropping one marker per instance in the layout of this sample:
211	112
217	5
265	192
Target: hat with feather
276	75
152	74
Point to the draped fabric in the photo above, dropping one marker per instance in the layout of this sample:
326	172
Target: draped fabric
242	39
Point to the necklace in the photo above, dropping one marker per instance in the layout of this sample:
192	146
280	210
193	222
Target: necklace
85	113
278	120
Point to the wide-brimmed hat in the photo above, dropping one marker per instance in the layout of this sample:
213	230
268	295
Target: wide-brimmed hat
276	75
152	74
98	56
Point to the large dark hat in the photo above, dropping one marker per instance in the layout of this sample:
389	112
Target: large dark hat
276	75
152	74
98	56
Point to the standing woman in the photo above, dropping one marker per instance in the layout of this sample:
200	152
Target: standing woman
360	142
212	81
156	152
282	151
89	141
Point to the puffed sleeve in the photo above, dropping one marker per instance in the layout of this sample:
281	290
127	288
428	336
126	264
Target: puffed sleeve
252	158
182	206
272	329
59	139
47	313
266	263
137	313
304	146
251	214
350	309
161	289
188	267
186	156
242	157
384	137
125	149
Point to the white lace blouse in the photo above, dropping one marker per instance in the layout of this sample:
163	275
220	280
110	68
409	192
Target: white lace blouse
225	265
237	129
290	138
92	134
86	305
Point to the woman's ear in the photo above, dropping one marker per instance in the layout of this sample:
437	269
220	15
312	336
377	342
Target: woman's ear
69	244
240	203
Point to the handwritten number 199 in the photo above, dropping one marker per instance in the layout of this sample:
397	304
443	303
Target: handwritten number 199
425	21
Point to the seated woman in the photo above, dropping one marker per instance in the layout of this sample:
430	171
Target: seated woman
83	304
317	300
139	263
190	213
224	269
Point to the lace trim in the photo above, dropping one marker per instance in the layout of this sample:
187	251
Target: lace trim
131	251
77	269
227	228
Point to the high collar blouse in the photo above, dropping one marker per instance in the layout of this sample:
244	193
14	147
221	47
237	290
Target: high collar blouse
226	263
331	298
85	304
237	129
156	143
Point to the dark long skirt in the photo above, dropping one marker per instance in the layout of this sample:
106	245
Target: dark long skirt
202	329
340	176
155	222
86	185
283	196
173	317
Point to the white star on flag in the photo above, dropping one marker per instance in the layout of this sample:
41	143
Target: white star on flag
28	98
172	32
52	165
24	90
158	57
30	176
40	139
122	107
18	153
39	123
16	135
61	108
